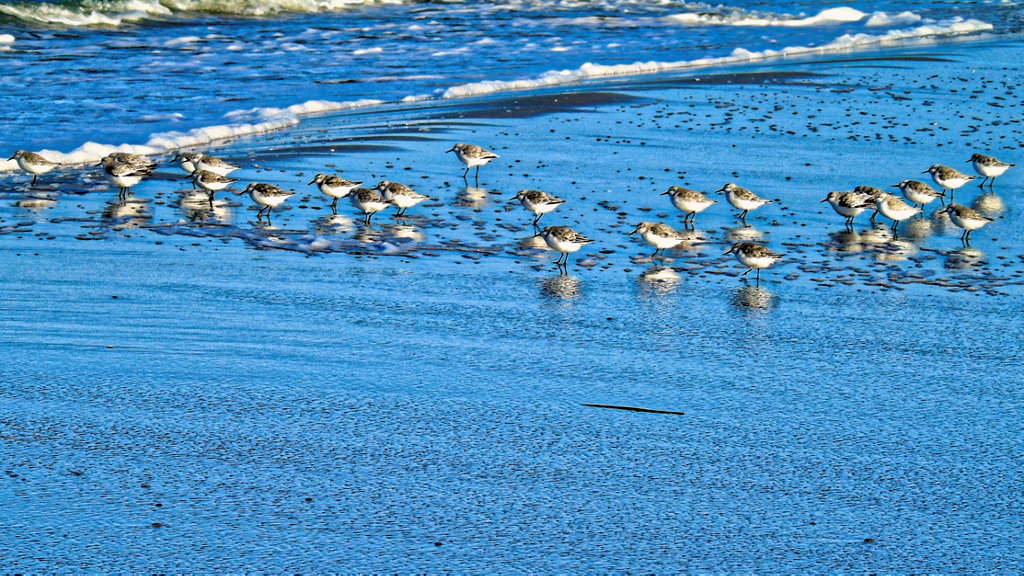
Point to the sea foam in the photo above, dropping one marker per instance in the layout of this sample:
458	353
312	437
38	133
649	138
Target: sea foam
240	123
953	27
742	18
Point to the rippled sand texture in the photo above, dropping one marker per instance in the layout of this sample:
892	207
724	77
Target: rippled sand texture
186	389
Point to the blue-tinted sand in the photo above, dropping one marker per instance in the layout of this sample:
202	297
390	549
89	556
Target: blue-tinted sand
185	389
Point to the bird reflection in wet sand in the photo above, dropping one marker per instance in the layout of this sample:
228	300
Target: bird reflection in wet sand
847	240
333	225
196	207
659	280
127	213
895	250
471	197
404	232
753	298
918	228
745	233
965	257
368	234
989	204
561	286
35	205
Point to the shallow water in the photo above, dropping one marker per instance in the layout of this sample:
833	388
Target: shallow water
187	389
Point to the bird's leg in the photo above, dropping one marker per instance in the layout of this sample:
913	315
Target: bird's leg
743	216
982	185
465	173
34	176
537	219
757	279
334	206
747	272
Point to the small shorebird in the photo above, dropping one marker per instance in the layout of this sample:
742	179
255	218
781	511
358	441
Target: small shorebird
33	163
967	218
947	178
538	202
267	196
661	236
849	204
124	176
215	165
335	187
130	159
189	161
211	182
988	167
919	193
895	209
870	192
472	155
689	202
742	199
754	256
565	240
400	195
369	202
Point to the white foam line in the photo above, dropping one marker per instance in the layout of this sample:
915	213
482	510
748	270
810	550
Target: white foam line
954	27
244	123
829	16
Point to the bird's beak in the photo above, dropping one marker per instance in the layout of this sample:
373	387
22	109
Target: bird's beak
11	158
825	200
452	150
894	186
665	192
633	232
729	251
311	181
925	172
719	190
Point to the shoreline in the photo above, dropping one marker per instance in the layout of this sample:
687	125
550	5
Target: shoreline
180	384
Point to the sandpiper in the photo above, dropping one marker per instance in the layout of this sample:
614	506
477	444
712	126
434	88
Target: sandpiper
369	202
335	187
967	218
400	195
130	159
472	155
189	161
754	256
849	204
565	240
33	163
215	165
690	202
661	236
742	199
211	182
267	196
538	202
895	209
947	178
124	176
988	167
919	193
872	193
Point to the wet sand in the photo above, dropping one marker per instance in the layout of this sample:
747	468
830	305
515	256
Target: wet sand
188	389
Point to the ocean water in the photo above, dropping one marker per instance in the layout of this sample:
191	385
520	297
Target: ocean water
185	388
155	76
